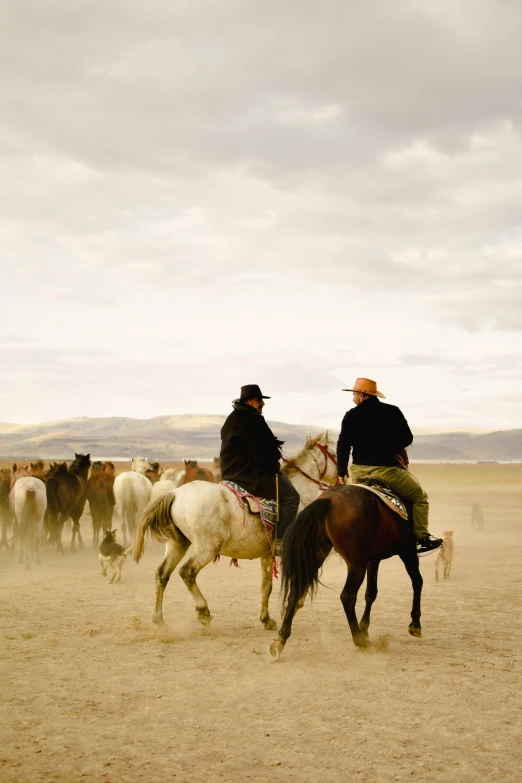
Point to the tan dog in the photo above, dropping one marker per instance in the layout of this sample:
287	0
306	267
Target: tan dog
445	554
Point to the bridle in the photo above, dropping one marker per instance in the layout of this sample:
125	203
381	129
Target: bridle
327	455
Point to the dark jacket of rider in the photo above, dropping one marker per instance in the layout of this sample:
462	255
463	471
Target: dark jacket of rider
376	432
250	452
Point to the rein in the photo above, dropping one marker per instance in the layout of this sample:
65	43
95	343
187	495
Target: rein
323	485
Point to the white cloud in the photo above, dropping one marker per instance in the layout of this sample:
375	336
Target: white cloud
210	193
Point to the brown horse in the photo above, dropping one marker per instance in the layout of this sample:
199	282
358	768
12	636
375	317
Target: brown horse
6	516
194	473
38	470
363	531
100	495
154	473
66	497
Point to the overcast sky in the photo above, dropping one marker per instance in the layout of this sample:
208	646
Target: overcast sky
198	194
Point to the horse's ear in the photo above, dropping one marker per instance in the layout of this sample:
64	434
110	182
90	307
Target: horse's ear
88	456
308	439
327	436
14	467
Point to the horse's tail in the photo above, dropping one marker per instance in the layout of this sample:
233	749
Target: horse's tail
102	500
129	505
156	518
29	512
51	489
305	545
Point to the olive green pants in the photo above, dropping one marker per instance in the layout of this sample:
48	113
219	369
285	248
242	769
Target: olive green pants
405	485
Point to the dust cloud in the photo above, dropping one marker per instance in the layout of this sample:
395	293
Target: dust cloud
92	692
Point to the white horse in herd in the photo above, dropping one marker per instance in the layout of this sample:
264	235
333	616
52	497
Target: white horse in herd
210	517
161	487
28	502
132	490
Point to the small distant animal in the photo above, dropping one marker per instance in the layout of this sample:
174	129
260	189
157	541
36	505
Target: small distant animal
477	517
112	554
445	554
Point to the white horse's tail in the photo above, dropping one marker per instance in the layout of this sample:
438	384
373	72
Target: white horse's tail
157	519
129	505
29	515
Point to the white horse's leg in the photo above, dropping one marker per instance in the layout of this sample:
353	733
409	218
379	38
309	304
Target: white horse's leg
175	551
266	590
189	572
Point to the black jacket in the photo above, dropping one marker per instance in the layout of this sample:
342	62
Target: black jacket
250	452
376	432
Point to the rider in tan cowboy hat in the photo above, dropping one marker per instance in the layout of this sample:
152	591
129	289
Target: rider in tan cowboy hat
377	435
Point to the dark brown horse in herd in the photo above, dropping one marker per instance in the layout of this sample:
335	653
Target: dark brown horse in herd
101	498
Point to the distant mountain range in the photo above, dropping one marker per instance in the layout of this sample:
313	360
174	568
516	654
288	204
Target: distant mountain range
178	437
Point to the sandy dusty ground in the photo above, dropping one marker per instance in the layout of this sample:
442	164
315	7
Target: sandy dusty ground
89	693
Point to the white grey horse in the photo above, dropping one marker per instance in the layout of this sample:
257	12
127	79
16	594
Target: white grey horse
210	517
28	502
132	490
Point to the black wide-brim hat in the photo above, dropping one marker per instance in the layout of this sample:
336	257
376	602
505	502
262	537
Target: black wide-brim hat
251	391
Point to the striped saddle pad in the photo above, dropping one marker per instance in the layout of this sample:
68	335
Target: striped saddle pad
385	494
267	509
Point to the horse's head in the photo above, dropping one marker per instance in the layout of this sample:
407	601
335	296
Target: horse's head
191	463
322	443
108	467
140	465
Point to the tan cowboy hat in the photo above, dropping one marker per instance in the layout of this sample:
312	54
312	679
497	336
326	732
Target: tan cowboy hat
366	386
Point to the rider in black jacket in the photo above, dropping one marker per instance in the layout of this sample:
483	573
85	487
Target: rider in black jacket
377	434
250	455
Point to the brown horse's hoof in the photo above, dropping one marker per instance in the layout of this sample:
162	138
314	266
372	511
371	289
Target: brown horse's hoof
415	630
204	618
276	648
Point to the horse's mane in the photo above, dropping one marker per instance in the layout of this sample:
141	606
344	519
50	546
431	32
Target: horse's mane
290	470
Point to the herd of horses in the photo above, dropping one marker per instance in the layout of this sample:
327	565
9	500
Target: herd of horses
187	508
36	501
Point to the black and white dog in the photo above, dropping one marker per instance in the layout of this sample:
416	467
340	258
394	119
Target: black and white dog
112	554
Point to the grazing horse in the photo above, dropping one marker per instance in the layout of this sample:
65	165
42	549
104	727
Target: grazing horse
212	518
66	498
100	495
193	472
363	531
6	517
28	503
132	493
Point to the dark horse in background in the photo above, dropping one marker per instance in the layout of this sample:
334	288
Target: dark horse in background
66	497
100	495
363	531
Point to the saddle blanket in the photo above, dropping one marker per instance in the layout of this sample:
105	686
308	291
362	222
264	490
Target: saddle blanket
266	509
385	494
